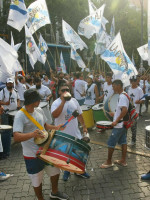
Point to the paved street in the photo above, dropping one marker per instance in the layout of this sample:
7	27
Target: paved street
115	183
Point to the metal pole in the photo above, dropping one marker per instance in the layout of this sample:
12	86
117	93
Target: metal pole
141	1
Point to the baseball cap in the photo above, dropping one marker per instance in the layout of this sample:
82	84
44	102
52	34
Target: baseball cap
90	76
9	80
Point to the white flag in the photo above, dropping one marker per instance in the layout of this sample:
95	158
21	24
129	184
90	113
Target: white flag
72	37
148	32
112	29
118	61
8	57
92	23
38	15
62	64
92	9
143	52
43	48
17	67
18	15
75	56
31	48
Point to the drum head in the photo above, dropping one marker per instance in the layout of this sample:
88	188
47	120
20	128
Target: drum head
40	140
61	164
85	107
104	123
113	102
5	127
12	113
43	104
98	106
147	128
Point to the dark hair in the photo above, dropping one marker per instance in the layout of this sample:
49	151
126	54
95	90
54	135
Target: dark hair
78	74
109	74
118	82
63	85
37	79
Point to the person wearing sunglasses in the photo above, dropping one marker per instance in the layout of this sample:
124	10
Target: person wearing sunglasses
62	110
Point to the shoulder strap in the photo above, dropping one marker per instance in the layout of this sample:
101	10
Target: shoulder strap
126	95
32	119
3	93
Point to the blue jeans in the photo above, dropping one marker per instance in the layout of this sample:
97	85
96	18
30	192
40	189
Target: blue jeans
118	135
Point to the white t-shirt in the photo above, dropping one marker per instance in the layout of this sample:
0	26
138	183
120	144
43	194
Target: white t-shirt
46	83
44	91
21	88
90	95
108	91
147	89
68	109
79	89
23	125
122	102
136	94
5	96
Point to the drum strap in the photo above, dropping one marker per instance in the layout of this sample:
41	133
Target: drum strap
32	119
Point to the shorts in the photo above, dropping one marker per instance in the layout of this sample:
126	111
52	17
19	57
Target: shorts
118	135
36	167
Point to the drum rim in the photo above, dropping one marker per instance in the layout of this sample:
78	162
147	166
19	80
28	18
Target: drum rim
146	129
90	107
8	127
74	139
96	105
44	105
104	124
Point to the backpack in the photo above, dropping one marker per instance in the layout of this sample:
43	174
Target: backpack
131	116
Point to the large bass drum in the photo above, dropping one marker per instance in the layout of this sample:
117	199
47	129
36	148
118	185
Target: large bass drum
98	113
110	106
66	152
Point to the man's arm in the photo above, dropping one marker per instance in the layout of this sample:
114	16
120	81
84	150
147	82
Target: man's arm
58	110
21	137
81	120
124	111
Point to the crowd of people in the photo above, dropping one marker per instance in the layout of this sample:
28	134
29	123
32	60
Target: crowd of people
43	97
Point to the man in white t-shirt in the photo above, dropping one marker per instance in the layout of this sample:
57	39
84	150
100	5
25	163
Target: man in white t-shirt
135	93
10	100
21	88
25	131
107	88
62	110
118	134
79	88
147	91
46	95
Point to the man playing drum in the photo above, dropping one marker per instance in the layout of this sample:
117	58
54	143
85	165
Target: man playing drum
25	132
62	110
118	134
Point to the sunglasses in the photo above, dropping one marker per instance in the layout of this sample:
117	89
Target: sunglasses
65	90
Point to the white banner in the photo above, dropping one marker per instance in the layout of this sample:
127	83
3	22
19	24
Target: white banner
43	48
18	15
75	56
143	52
118	60
31	48
8	57
92	23
72	37
38	15
62	64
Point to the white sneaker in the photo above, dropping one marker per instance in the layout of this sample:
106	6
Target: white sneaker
4	176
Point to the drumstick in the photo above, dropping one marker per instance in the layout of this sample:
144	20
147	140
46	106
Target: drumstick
46	146
145	95
74	115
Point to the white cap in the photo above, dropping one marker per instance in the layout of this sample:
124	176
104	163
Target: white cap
91	76
9	80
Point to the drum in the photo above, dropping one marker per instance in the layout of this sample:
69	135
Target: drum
104	125
110	105
98	113
5	131
147	137
11	115
87	116
45	107
66	152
